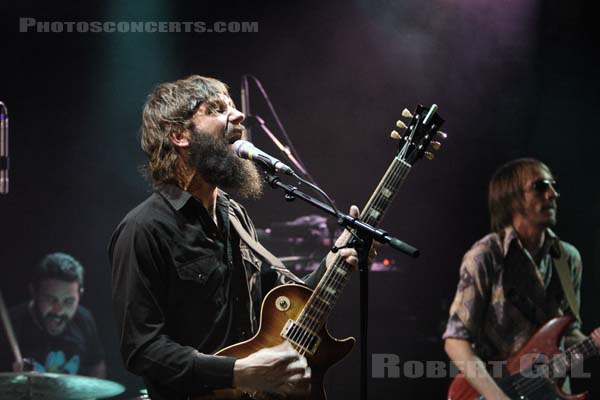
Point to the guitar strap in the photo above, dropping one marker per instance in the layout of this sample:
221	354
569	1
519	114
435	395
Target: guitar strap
275	262
562	269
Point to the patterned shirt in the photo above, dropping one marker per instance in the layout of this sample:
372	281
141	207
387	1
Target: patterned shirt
503	297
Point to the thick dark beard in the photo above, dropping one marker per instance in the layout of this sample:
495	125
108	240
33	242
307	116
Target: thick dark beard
216	163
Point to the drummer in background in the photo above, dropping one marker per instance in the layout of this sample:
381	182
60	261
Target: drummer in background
55	333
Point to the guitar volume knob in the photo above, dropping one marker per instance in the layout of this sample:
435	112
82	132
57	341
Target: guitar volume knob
282	303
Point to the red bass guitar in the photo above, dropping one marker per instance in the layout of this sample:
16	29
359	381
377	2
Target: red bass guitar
534	371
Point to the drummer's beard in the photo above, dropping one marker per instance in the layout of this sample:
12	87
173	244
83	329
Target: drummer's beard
53	324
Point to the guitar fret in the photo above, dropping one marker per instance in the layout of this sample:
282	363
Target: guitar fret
374	213
321	299
306	318
387	192
573	355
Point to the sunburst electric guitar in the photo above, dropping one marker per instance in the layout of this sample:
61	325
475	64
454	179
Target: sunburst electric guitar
297	314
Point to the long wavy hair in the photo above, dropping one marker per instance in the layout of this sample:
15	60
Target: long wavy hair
169	109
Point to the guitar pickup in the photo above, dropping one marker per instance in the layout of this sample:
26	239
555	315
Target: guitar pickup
301	337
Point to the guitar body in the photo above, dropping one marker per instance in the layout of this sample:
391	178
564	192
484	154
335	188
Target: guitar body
545	341
280	305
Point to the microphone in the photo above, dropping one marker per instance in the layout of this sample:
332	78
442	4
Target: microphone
246	150
3	149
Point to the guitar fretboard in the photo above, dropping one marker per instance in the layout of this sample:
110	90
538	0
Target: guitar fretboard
572	357
327	292
534	383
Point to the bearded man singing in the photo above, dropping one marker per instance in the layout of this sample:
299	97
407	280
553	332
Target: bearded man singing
184	284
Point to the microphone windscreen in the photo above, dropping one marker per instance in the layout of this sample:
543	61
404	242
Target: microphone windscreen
238	145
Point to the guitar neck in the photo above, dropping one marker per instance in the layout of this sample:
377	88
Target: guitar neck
327	292
573	356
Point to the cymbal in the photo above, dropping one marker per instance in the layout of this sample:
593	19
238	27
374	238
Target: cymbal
38	385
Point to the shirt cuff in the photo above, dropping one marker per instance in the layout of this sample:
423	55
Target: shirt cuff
214	372
456	329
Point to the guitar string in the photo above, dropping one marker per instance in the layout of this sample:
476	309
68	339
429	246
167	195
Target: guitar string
394	175
327	298
526	385
333	279
531	385
330	278
338	263
580	349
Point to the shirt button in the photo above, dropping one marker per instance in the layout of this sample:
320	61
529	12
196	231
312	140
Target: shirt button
237	299
200	276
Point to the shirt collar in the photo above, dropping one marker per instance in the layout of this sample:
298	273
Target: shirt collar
178	197
510	236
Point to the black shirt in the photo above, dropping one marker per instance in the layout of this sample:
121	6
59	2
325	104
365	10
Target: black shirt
183	288
74	351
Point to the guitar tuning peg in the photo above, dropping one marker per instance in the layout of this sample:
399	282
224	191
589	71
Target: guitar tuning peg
436	145
401	124
395	135
406	113
442	135
429	155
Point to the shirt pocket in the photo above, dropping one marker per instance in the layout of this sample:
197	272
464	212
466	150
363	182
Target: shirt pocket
202	277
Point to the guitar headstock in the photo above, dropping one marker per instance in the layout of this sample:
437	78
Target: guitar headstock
421	136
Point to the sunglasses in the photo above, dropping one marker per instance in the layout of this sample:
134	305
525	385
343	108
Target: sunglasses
542	185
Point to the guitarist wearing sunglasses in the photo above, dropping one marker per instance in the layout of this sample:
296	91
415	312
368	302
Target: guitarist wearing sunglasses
510	283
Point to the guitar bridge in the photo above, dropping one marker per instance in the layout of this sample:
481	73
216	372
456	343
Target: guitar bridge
301	337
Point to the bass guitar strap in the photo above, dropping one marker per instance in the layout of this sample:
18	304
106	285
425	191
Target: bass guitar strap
561	266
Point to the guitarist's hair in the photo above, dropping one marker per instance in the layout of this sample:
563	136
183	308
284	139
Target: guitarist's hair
170	109
505	192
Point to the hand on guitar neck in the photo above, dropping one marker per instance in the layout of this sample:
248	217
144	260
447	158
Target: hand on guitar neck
349	254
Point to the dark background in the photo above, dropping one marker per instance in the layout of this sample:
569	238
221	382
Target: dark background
512	78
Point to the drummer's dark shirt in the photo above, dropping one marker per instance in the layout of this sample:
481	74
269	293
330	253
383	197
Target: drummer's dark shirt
75	351
183	288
